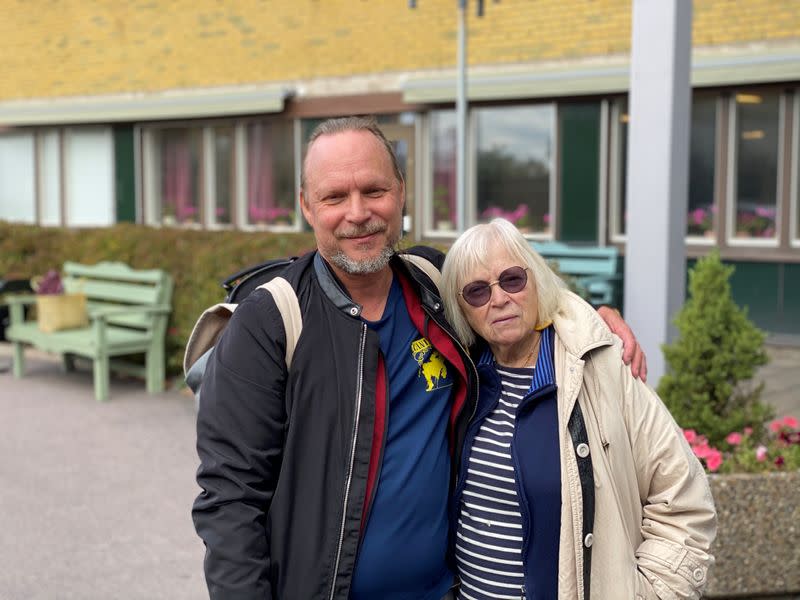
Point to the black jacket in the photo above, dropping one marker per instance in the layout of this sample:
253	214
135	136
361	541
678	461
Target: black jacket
290	461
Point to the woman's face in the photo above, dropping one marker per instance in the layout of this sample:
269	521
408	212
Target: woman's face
508	318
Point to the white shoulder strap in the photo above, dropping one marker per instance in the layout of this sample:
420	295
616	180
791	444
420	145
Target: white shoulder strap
424	265
286	300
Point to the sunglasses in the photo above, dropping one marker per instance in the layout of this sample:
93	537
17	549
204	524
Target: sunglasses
512	280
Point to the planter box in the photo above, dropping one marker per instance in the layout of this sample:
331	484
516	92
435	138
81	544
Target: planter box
758	543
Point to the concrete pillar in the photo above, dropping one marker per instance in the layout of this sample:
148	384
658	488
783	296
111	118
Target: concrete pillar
657	172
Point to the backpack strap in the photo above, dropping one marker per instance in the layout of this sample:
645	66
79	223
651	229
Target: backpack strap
424	265
286	299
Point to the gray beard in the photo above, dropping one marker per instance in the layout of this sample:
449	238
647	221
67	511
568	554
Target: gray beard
363	267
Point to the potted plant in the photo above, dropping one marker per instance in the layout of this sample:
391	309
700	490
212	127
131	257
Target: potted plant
753	462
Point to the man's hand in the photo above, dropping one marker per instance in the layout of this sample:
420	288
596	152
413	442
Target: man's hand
632	353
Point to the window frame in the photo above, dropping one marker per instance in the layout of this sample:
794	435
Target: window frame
731	175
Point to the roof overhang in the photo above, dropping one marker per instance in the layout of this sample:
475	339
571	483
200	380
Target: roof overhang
710	67
173	104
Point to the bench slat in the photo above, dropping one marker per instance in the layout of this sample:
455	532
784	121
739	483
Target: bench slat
113	291
114	271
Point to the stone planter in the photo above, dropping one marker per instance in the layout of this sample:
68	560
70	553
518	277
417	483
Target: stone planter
758	543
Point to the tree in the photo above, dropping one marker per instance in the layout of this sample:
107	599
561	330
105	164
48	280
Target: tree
709	386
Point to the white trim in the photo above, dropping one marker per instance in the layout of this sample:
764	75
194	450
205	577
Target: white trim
170	104
733	146
297	137
208	148
240	142
151	210
616	167
794	188
603	166
138	210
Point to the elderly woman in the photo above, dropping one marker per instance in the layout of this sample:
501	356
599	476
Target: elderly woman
575	480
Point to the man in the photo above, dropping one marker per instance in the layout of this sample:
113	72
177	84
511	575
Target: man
331	480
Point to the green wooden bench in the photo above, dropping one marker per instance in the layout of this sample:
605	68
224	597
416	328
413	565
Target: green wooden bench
594	269
128	312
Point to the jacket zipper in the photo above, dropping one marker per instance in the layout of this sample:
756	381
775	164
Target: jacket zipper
349	479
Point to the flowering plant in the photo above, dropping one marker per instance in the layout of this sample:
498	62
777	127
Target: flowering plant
775	449
758	222
700	220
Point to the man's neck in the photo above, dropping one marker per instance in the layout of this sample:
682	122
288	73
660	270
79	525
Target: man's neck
370	291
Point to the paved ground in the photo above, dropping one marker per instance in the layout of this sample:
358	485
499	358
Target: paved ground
95	498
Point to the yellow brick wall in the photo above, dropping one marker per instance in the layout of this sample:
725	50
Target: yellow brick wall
54	48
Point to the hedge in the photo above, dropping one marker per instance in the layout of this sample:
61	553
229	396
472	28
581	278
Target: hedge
197	260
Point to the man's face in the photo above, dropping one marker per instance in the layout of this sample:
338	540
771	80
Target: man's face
352	200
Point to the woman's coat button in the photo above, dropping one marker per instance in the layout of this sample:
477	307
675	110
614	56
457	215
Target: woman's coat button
582	450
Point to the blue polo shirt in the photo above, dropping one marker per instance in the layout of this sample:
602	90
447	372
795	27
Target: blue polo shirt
403	550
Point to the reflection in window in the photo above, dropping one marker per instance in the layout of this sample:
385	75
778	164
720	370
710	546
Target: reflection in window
177	158
270	173
756	166
443	143
515	149
702	145
224	176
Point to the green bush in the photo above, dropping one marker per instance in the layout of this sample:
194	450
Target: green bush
197	260
709	386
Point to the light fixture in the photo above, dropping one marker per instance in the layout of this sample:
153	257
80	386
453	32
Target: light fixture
748	99
753	134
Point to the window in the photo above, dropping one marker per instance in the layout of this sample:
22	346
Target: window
89	175
442	213
17	172
270	194
50	177
224	176
754	159
702	209
515	149
176	171
701	218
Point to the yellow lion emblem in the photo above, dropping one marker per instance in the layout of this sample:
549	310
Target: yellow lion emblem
431	363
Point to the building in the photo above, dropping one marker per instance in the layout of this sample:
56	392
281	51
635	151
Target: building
194	114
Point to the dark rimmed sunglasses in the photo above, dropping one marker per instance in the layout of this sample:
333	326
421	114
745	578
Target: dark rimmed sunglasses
512	280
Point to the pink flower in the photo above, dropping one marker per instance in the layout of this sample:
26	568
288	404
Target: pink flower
790	422
748	431
690	435
734	438
775	426
714	459
761	453
702	450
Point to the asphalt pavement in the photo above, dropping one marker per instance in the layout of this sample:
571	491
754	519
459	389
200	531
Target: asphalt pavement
95	498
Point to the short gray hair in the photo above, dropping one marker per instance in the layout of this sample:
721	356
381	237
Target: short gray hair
470	251
342	124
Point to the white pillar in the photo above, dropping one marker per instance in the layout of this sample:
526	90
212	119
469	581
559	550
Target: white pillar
657	172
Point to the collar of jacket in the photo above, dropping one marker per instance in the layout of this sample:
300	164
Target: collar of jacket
337	293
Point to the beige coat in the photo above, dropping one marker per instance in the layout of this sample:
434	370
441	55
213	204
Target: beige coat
654	514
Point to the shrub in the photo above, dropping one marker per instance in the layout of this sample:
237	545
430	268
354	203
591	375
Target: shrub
708	387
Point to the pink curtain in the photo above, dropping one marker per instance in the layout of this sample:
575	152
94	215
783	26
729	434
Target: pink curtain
261	206
178	193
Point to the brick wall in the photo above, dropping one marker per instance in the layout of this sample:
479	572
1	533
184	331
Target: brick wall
54	48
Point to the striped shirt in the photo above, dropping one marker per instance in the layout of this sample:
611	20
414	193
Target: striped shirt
489	537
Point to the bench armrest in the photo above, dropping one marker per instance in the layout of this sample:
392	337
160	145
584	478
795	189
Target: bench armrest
22	299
